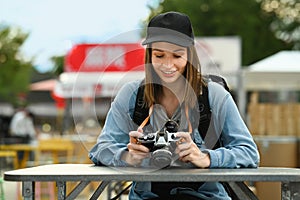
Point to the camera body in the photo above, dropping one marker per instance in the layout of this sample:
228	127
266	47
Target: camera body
162	143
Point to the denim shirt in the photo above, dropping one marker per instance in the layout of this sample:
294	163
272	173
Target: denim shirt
238	148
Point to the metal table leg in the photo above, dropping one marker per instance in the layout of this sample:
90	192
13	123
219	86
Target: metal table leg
99	190
61	190
77	190
242	191
28	190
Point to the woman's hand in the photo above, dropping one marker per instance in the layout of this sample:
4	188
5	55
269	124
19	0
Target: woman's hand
188	151
136	152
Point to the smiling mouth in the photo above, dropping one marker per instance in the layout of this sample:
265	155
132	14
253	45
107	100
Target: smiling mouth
168	72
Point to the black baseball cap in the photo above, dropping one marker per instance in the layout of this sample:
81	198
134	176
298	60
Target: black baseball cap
172	27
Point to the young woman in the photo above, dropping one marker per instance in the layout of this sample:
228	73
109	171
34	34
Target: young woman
172	85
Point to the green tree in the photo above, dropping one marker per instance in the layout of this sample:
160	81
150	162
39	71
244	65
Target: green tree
286	22
58	62
244	18
15	71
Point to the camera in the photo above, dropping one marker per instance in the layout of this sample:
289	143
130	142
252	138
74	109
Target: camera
161	143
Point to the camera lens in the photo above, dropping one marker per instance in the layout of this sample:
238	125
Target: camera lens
171	126
162	158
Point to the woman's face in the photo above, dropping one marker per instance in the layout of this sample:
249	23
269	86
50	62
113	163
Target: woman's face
169	60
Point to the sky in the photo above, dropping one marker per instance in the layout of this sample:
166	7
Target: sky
55	25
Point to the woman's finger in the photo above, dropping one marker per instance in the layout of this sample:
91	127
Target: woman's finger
134	135
137	147
185	137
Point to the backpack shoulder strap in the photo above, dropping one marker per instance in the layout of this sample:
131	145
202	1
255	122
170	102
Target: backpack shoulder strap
218	79
204	106
141	111
205	112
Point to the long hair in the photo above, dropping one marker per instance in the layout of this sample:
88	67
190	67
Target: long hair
192	74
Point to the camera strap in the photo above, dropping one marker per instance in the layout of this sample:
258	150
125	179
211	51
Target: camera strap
147	118
188	119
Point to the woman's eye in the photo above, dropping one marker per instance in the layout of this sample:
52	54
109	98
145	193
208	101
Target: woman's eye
177	56
159	56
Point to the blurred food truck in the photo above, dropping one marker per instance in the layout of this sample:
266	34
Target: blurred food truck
99	70
93	74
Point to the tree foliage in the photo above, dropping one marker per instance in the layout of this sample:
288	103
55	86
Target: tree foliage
286	23
14	70
244	18
58	62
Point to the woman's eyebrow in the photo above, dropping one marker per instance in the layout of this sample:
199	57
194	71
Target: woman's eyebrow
157	50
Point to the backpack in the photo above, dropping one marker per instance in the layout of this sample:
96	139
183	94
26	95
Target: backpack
141	111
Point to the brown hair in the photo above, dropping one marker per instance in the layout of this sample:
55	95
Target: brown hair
193	87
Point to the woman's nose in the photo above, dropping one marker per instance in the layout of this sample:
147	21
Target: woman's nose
169	63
